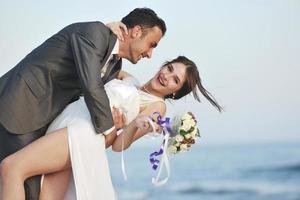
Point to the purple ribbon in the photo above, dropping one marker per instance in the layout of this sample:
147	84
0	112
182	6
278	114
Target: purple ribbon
165	124
153	160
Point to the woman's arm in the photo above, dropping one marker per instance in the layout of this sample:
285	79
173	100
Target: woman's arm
131	133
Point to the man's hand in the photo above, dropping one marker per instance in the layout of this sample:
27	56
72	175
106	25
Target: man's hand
119	122
110	138
119	118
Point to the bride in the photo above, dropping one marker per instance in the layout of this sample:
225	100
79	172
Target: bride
72	157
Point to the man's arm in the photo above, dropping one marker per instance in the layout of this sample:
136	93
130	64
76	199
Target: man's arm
89	51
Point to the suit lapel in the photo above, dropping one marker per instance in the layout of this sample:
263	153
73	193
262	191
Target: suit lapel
111	44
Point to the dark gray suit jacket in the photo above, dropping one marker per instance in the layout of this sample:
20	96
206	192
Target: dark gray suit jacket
55	74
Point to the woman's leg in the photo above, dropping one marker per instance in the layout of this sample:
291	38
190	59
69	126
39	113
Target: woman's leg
48	154
55	185
11	143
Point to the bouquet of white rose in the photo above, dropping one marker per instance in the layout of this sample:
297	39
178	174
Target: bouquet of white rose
184	133
178	136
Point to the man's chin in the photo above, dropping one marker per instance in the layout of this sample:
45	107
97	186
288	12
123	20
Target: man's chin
134	61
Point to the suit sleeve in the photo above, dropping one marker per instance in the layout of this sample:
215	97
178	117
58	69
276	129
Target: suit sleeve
88	57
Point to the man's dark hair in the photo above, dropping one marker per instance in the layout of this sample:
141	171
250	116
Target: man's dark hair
144	17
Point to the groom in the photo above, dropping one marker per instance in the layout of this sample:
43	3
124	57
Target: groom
77	60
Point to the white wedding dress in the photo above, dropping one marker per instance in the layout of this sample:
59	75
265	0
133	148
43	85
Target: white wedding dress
91	176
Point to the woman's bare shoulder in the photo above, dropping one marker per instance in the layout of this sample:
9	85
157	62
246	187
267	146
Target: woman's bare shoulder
123	74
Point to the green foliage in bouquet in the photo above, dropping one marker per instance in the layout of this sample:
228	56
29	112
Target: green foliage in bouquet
186	136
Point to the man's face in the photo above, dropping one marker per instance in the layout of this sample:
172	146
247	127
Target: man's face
141	46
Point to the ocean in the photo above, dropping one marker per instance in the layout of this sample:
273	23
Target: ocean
268	171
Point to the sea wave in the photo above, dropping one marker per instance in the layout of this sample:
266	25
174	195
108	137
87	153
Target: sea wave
132	195
216	191
295	167
234	187
292	168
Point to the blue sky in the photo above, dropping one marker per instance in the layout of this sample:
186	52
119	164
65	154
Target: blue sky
247	53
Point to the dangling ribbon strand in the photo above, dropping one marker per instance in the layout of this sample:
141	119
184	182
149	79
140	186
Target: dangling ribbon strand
165	124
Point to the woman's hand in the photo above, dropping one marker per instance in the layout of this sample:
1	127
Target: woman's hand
119	118
118	28
142	122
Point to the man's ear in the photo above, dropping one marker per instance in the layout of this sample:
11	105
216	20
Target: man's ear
136	31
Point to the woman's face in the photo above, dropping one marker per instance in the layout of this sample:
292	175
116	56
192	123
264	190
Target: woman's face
169	79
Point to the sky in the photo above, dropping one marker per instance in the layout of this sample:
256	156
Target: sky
247	53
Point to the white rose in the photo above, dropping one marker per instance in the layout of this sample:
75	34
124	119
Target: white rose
190	122
183	147
194	132
188	136
193	122
185	127
186	116
172	150
179	138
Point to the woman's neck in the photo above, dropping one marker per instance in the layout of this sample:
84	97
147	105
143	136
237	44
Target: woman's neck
149	90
